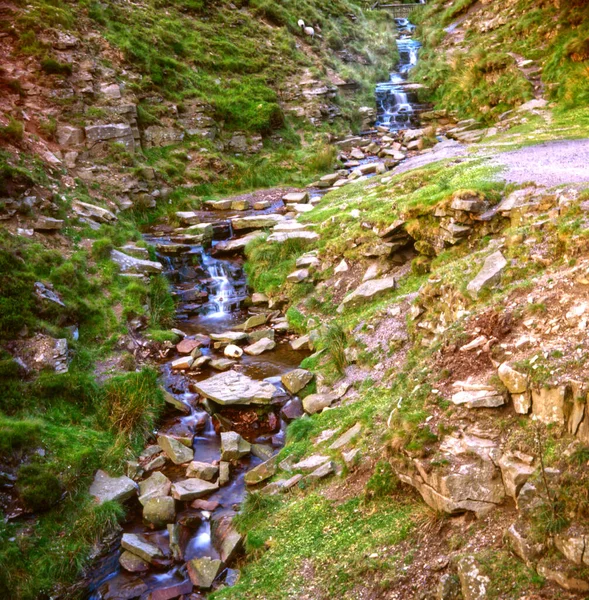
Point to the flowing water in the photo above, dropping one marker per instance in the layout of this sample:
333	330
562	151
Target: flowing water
396	103
210	292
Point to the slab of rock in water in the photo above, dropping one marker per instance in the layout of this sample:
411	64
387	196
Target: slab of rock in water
300	343
141	547
222	364
256	221
160	511
296	380
177	452
225	538
367	291
235	388
184	362
155	486
237	244
192	489
203	571
133	563
135	265
256	336
293	409
229	337
260	346
171	400
233	446
255	321
202	470
105	488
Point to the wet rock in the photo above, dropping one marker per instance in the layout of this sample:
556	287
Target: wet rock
296	380
175	531
368	291
135	265
176	403
177	452
233	446
256	222
232	351
317	402
255	321
262	451
229	337
105	488
202	470
256	336
133	563
232	577
261	472
122	587
203	571
224	472
192	489
235	388
237	244
48	224
489	275
186	346
515	473
159	511
183	363
296	198
260	346
155	486
140	546
301	343
225	538
222	364
478	399
347	437
169	591
474	583
208	505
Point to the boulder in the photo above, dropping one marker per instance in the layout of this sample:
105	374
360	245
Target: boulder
133	563
298	276
563	574
548	404
160	511
261	472
520	541
70	137
105	488
301	343
225	538
202	470
237	244
489	275
296	380
572	543
514	381
177	452
232	351
310	463
192	489
258	298
111	132
224	472
43	223
296	198
93	212
233	446
317	402
140	546
229	337
235	388
176	403
203	571
321	472
155	486
292	410
474	583
222	364
367	291
255	321
256	336
260	346
515	472
478	398
256	221
182	363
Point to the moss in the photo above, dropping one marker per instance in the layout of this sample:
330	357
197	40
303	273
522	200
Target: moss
54	67
39	488
12	133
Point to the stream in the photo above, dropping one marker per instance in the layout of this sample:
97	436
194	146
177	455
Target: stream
211	288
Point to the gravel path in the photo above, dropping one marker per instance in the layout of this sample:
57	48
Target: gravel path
549	164
447	149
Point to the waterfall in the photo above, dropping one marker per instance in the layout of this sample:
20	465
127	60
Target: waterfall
226	292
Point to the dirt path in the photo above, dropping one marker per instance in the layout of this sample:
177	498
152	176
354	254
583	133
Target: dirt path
549	164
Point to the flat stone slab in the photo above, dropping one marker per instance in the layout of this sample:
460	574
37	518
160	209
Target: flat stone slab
141	547
235	388
256	222
478	399
296	198
311	463
308	237
105	488
317	402
260	346
237	244
367	291
229	337
192	489
177	452
135	265
489	275
347	437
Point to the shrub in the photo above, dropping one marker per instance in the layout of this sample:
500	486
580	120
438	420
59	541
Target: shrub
13	132
54	67
39	488
102	248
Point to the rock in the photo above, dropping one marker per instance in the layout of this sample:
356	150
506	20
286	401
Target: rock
282	485
233	446
160	511
563	575
296	380
317	402
357	154
256	222
290	227
572	543
47	224
260	346
301	343
70	137
133	563
311	463
175	539
116	132
237	244
135	265
262	451
208	505
222	364
219	204
342	267
183	363
515	473
515	382
292	410
258	298
262	205
140	546
168	591
240	205
298	276
474	584
192	489
351	457
367	291
235	388
175	451
321	472
224	472
347	437
203	571
256	336
232	351
548	404
229	337
93	212
176	403
105	488
296	198
186	346
158	136
261	472
155	486
308	260
308	237
329	180
521	543
202	470
232	577
255	321
489	275
478	399
301	208
522	402
448	588
225	538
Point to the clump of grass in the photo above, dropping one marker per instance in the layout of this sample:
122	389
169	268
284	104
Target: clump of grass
383	482
54	67
12	133
335	341
39	488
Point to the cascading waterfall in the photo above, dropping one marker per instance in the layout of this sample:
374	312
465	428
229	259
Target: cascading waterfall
226	292
395	105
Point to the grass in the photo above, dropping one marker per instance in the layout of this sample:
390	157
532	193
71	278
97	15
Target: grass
12	133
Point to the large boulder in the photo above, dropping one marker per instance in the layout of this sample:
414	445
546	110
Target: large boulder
516	469
105	488
489	275
548	404
233	446
314	403
367	291
160	511
235	388
202	470
140	546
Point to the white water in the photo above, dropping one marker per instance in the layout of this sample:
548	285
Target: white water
224	297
